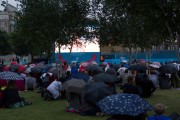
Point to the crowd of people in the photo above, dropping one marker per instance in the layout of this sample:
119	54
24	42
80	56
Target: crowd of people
49	81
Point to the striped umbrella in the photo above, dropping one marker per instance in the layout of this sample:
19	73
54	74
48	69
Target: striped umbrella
8	75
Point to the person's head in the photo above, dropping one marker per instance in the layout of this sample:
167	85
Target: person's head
11	84
68	73
126	71
131	79
159	108
133	72
152	72
55	76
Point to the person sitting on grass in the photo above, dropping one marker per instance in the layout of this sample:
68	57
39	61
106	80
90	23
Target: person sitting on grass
53	91
30	82
11	97
159	110
131	87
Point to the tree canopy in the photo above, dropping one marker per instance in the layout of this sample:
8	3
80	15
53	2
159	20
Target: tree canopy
4	44
129	23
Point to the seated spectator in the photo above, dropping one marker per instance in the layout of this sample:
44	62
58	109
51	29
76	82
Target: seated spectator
88	109
175	80
164	81
154	78
131	86
30	82
159	110
11	97
124	77
47	79
147	87
53	91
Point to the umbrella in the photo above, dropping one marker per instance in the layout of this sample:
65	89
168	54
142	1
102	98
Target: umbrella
105	77
138	67
82	76
36	69
122	70
94	69
74	85
111	71
94	92
157	63
8	75
124	104
13	67
168	68
53	70
154	66
21	68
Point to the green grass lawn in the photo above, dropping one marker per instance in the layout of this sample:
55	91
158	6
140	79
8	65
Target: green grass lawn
55	110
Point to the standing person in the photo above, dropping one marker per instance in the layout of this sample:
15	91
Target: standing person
11	97
159	110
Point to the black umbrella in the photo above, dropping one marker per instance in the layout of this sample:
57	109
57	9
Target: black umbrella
36	69
54	71
82	76
105	77
94	69
138	67
94	92
168	68
74	85
111	71
13	68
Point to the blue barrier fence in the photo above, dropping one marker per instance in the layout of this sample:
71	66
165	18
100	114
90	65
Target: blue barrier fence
78	56
155	56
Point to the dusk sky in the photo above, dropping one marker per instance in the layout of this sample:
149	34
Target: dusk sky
12	2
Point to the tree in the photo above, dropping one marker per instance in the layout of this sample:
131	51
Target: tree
38	24
18	44
74	21
44	22
137	23
4	44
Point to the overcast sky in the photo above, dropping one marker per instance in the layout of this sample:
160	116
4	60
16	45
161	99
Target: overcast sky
12	2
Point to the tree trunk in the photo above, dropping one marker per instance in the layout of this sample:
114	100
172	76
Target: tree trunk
60	64
135	53
130	56
32	58
177	47
147	55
